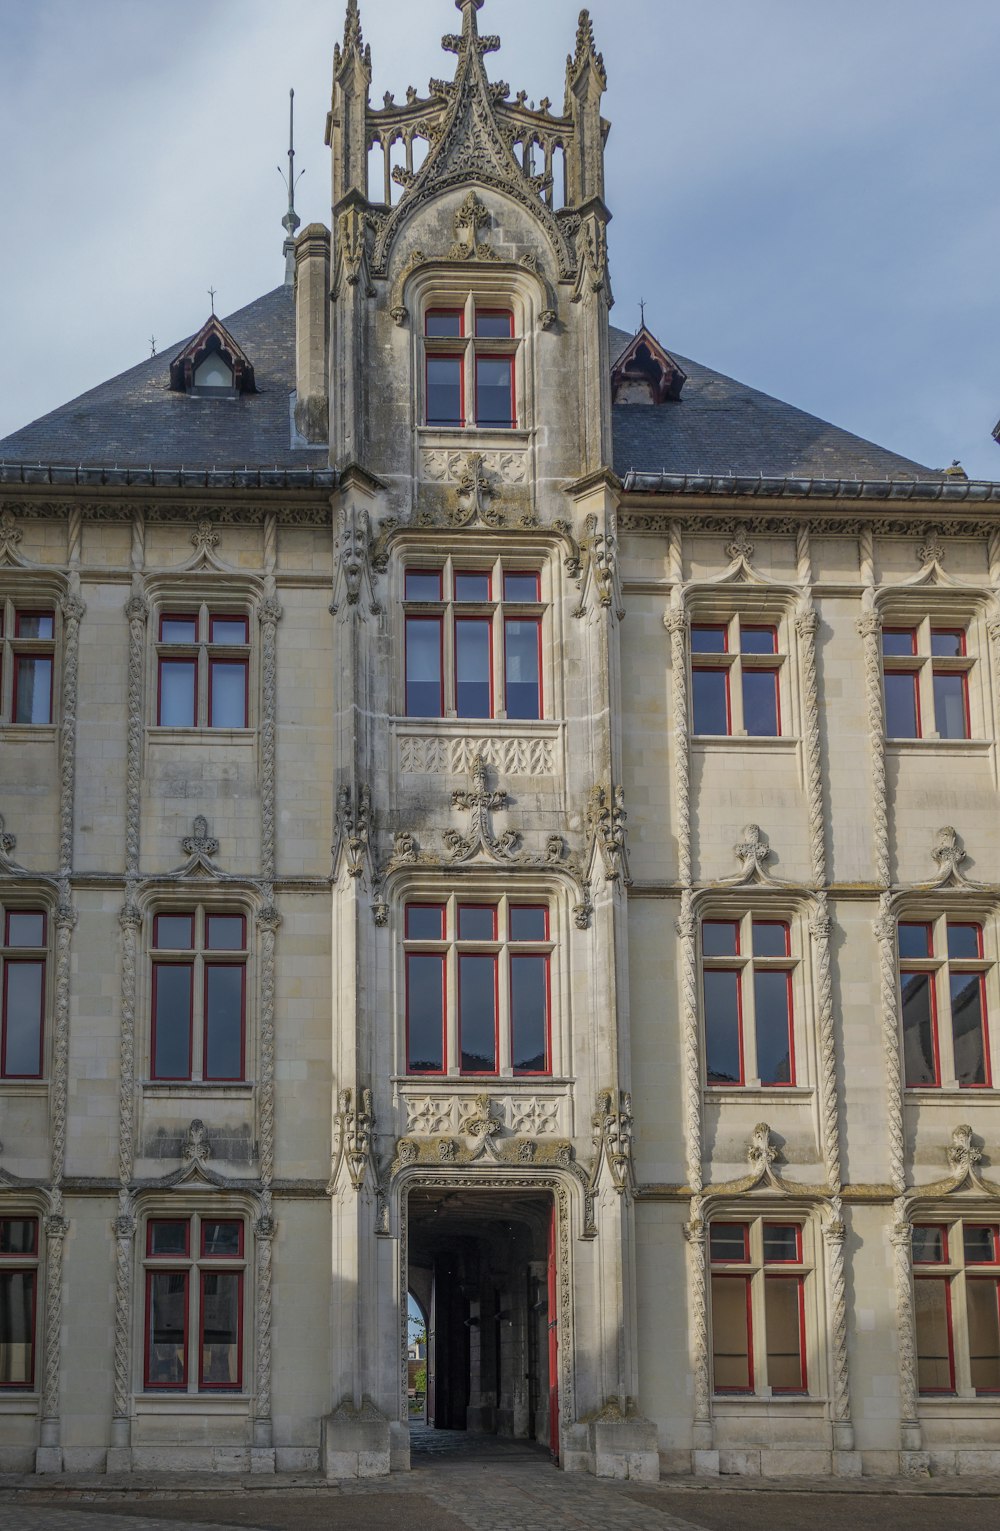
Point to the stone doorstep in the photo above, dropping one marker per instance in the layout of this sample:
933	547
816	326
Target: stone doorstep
67	1487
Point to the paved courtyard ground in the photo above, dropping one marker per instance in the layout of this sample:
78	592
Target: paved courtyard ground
463	1483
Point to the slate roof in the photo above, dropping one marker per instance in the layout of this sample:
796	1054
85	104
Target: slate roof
718	426
135	420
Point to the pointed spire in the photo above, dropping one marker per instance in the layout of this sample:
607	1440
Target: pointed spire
586	53
291	220
354	42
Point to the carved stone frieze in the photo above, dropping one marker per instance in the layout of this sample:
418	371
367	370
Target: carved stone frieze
448	467
354	573
612	1127
606	818
201	847
530	1116
517	755
355	828
354	1124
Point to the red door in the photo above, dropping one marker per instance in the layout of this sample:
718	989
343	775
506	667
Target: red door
553	1295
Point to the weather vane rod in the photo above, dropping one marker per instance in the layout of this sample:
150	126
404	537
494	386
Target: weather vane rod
291	220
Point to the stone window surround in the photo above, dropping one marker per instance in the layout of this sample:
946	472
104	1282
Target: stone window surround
15	1399
954	1218
482	885
745	904
200	901
756	606
200	592
480	550
954	609
29	895
28	591
755	1210
935	910
178	1205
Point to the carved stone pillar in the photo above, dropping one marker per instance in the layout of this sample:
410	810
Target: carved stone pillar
119	1457
72	609
676	623
819	930
269	615
885	935
48	1456
262	1458
137	612
846	1461
912	1458
870	628
704	1458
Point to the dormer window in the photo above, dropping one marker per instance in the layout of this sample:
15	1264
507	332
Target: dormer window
470	360
645	373
213	365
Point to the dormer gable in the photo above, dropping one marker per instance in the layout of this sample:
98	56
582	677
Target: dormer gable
212	365
645	373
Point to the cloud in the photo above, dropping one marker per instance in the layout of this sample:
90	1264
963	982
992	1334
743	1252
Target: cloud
804	194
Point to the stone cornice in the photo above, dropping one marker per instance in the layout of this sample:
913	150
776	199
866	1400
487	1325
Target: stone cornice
948	490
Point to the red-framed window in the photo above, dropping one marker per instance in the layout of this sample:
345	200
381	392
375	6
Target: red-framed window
758	1281
27	663
926	671
470	367
478	987
198	1023
203	669
748	1007
18	1300
956	1286
473	641
942	978
736	670
195	1268
23	965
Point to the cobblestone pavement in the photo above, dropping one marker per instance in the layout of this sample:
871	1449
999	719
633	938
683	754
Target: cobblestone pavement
463	1483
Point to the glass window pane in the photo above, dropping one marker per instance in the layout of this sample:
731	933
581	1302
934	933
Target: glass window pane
228	630
919	1049
225	932
522	680
758	640
477	1013
425	1013
710	701
227	702
444	322
760	703
172	1020
179	629
423	584
723	1048
528	924
423	667
224	1020
425	922
32	688
444	391
24	992
781	1243
494	391
772	1001
477	922
980	1245
935	1368
770	938
729	1243
177	693
901	705
17	1328
708	640
915	941
166	1328
168	1236
720	938
732	1361
984	1334
18	1235
930	1245
522	587
783	1326
25	927
34	624
173	932
221	1239
950	709
473	678
529	995
965	941
968	1028
946	644
221	1293
471	587
899	640
494	325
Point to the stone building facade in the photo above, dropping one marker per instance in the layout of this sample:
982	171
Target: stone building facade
525	838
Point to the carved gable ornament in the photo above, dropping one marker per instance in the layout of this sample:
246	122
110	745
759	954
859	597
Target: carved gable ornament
645	373
191	368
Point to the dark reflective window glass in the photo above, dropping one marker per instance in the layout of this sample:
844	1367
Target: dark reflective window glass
708	640
781	1243
423	584
495	391
173	932
901	708
425	1013
710	701
968	1014
34	624
930	1245
729	1243
222	1239
18	1235
919	1050
444	391
522	587
914	940
522	678
946	644
770	938
444	323
225	932
425	922
177	693
529	1014
168	1236
228	630
492	325
166	1337
471	587
25	927
423	667
473	668
980	1245
774	1032
758	640
720	938
221	1301
477	1006
477	922
760	703
172	1020
23	1000
528	923
17	1328
724	1061
32	688
179	629
227	693
896	641
951	715
965	941
224	1020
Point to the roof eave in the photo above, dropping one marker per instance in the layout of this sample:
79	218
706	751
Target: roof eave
747	486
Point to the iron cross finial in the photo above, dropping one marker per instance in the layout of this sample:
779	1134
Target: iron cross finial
642	311
211	293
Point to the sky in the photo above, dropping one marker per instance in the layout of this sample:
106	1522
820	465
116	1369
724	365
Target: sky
805	192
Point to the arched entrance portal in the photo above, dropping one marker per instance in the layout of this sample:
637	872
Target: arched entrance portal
482	1266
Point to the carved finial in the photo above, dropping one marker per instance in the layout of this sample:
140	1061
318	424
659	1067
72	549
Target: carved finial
586	51
205	539
963	1154
949	852
7	840
197	1148
761	1151
353	39
740	546
752	850
931	550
